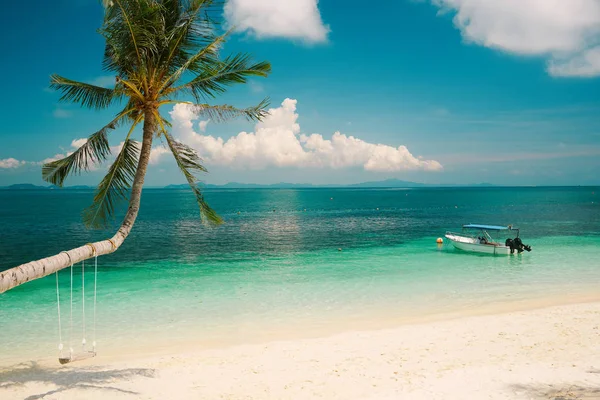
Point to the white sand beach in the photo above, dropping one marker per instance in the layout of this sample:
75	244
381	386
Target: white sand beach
547	353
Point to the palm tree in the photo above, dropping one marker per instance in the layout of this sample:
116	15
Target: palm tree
151	46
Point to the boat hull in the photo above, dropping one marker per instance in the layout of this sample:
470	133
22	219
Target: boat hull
473	246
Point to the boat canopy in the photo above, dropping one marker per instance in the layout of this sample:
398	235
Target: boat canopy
489	227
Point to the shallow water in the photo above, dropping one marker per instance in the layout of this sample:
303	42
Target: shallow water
275	264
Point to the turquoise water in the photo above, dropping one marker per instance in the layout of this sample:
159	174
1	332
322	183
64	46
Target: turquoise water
274	266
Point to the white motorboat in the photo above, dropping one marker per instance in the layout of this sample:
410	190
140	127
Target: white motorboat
477	239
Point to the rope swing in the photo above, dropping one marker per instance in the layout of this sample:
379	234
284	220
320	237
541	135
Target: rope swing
62	358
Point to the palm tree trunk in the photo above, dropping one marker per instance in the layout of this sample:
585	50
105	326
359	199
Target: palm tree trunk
46	266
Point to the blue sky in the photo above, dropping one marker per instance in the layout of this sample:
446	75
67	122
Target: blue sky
506	93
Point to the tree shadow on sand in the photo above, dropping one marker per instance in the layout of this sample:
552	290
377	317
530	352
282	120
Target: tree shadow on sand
68	378
559	392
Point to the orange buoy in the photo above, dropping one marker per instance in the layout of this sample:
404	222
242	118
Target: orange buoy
440	240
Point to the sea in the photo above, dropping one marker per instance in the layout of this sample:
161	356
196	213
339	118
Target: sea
286	263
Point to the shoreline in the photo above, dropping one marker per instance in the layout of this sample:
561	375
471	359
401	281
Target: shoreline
314	328
343	324
553	350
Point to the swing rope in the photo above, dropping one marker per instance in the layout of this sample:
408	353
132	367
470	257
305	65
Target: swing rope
60	342
61	358
71	325
95	285
95	254
83	303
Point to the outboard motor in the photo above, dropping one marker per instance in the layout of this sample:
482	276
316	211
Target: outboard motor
518	244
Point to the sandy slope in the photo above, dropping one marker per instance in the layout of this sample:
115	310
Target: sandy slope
550	353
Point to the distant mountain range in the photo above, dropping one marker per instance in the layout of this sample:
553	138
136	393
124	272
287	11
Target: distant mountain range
388	183
29	186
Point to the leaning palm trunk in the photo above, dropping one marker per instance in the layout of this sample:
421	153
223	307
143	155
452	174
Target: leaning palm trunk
46	266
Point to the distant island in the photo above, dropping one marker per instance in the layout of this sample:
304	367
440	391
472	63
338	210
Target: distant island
388	183
29	186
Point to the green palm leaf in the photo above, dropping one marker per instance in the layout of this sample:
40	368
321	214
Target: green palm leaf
190	164
204	56
215	78
186	31
120	20
224	113
94	151
83	93
113	187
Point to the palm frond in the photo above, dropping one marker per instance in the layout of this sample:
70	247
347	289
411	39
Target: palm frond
215	78
131	89
209	52
83	93
185	29
94	151
119	18
190	164
131	42
225	112
163	123
113	187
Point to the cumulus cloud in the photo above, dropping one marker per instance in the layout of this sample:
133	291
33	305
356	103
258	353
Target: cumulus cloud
564	31
202	125
292	19
157	153
586	64
9	163
277	142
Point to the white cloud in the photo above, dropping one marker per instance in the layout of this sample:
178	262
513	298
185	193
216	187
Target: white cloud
116	149
292	19
277	142
61	113
156	154
77	143
9	163
256	87
104	81
55	157
586	64
565	31
202	125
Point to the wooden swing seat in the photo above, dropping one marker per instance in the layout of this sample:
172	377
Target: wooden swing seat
77	357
